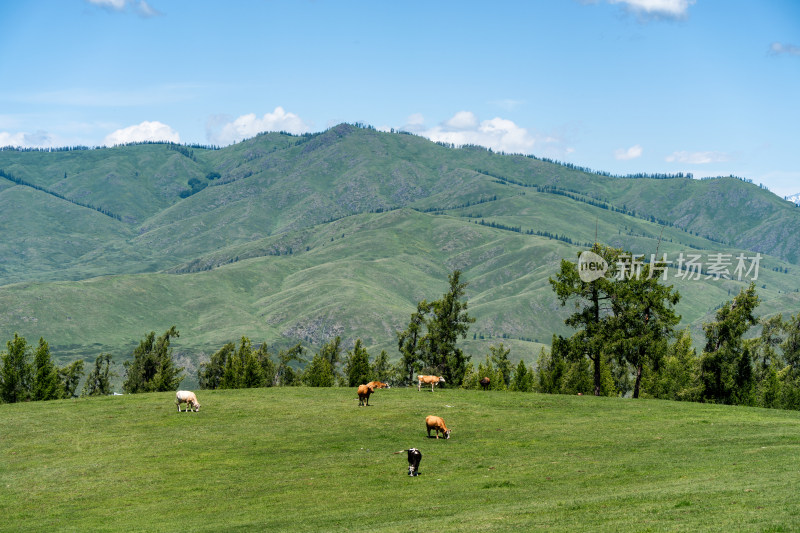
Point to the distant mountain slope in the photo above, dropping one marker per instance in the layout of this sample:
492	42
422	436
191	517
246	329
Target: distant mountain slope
360	276
285	238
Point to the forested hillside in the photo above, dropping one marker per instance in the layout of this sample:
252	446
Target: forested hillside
301	238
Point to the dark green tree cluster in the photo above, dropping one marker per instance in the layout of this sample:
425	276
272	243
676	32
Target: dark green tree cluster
624	322
30	375
626	344
763	371
242	368
98	382
152	368
429	342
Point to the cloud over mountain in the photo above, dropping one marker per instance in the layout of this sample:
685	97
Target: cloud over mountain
222	131
146	131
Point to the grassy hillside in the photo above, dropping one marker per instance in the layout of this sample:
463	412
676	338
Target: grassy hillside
288	239
305	459
360	276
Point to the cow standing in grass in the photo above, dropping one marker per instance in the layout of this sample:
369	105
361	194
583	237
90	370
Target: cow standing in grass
363	394
437	423
414	457
189	398
429	380
485	383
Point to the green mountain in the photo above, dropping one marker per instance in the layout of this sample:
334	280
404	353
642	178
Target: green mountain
300	238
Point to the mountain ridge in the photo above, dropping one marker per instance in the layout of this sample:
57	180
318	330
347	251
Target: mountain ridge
383	216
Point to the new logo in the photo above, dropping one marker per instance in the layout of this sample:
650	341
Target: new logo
591	266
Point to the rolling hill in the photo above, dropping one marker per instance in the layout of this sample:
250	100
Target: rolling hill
309	459
299	238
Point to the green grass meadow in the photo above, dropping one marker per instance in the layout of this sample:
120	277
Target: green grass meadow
305	459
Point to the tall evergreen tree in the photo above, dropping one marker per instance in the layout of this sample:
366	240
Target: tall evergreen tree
284	373
70	377
502	363
381	370
252	372
724	365
46	385
264	359
790	376
523	378
357	365
332	352
678	376
593	303
319	372
152	368
448	322
209	375
98	382
16	374
643	321
408	341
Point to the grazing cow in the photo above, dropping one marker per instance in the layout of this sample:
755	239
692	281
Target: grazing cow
189	398
429	380
378	385
485	383
435	422
363	395
414	457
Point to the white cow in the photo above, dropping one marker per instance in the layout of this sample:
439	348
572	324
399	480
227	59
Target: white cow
188	397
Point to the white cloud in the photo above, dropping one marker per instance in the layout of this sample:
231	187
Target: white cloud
12	139
118	5
140	7
631	153
697	158
777	48
414	123
463	120
669	9
39	139
146	131
250	125
499	134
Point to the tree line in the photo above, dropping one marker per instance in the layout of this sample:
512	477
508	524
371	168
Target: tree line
625	343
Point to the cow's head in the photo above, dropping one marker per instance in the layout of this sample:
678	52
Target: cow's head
196	406
441	380
447	434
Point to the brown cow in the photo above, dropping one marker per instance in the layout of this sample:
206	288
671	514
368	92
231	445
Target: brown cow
432	380
435	422
363	395
378	385
485	383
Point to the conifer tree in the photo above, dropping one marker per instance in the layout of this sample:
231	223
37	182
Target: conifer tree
725	364
98	382
16	374
209	375
319	373
46	385
152	368
357	366
70	377
523	378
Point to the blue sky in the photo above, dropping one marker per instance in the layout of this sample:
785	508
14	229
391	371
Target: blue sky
703	86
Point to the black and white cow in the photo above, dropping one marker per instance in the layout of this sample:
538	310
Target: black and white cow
414	457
